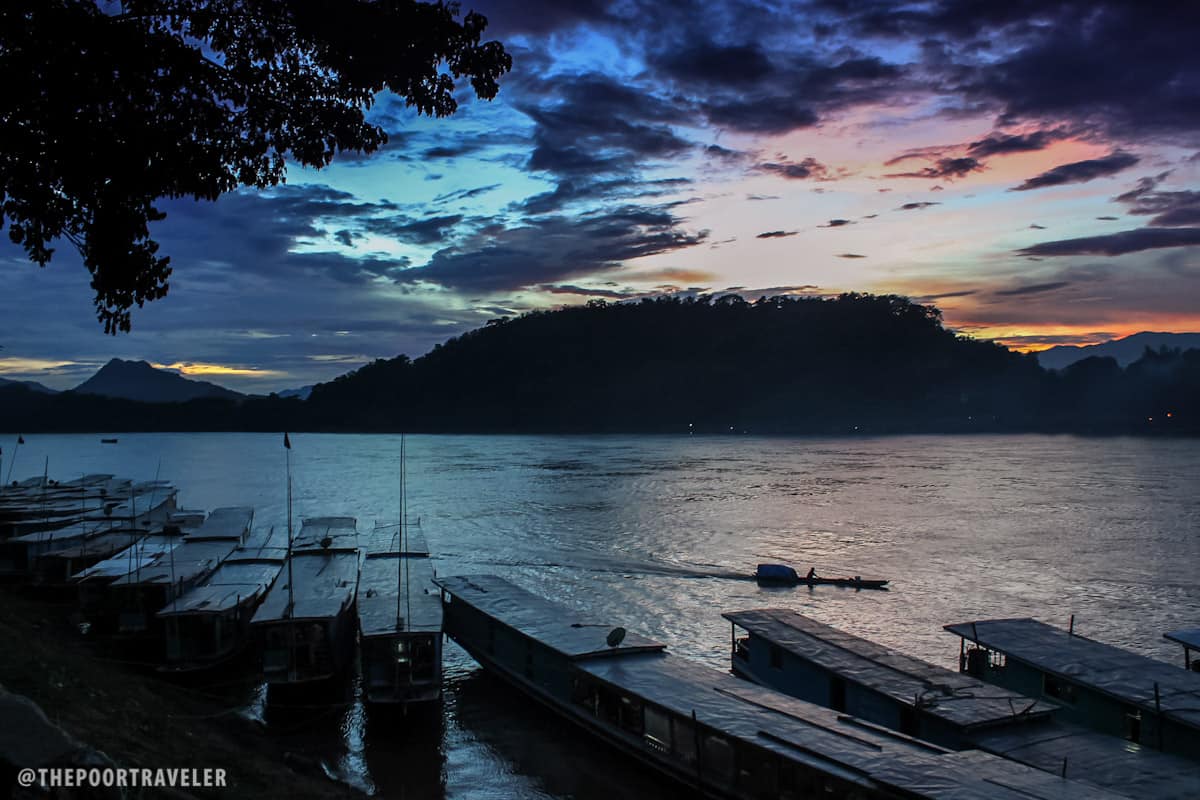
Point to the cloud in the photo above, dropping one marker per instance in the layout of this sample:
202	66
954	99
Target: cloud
918	206
837	223
1116	244
712	64
1108	219
850	255
1080	171
546	250
466	194
1108	67
1037	288
947	168
430	230
16	365
775	234
194	369
1167	208
581	291
998	144
669	274
808	168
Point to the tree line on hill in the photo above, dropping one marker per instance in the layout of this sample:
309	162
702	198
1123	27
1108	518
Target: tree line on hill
857	363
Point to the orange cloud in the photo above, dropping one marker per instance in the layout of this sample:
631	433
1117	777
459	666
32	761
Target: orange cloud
194	368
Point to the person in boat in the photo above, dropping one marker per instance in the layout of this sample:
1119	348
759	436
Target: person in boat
812	573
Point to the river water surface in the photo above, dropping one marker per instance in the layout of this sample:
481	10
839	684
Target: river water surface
654	534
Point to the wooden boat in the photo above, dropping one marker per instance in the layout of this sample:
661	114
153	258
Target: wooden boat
209	626
306	622
783	575
94	584
108	441
796	654
140	595
715	733
399	620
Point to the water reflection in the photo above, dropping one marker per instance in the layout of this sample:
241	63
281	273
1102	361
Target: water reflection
558	757
404	752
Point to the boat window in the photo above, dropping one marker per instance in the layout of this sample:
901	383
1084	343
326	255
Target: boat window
658	729
683	740
1133	725
757	771
997	660
608	706
837	694
776	657
908	721
631	716
741	648
1058	689
718	758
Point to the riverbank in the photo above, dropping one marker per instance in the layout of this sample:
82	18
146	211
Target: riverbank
138	720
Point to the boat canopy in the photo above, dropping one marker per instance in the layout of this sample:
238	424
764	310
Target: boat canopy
1126	676
959	699
560	629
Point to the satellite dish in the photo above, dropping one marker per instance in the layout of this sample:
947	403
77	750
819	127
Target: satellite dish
326	542
615	636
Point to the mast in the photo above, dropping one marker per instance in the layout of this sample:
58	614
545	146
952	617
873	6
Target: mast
287	446
12	462
400	540
404	532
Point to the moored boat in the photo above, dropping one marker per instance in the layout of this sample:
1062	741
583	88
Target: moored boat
715	733
399	620
140	595
802	657
209	626
306	623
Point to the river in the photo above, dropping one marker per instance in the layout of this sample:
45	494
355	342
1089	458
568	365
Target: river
654	534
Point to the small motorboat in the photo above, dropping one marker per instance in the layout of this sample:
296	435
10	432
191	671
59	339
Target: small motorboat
783	575
108	441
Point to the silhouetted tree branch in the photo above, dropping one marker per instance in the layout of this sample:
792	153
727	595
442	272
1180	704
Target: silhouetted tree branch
109	107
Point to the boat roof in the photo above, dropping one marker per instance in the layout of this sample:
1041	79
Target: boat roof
832	742
828	740
325	582
340	532
181	564
966	702
230	523
1113	671
564	630
232	583
384	608
138	556
102	544
386	540
1188	637
1095	757
129	509
954	697
261	545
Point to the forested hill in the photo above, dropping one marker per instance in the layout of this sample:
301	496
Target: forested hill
669	363
856	363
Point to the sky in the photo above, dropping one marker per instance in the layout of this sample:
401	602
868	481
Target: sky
1030	167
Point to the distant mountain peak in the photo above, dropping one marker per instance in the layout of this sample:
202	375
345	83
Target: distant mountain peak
1125	350
138	380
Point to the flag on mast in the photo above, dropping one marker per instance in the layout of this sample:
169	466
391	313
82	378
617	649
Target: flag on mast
286	441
